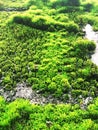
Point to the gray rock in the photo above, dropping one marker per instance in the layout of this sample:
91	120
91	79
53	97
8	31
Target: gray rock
23	91
86	102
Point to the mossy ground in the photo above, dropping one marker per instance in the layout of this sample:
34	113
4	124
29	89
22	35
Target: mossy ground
44	47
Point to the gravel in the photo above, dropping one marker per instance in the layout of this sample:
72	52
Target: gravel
23	91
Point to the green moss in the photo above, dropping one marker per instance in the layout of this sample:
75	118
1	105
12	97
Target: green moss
20	114
44	47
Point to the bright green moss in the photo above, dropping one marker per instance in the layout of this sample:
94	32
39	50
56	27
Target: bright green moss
43	47
20	114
